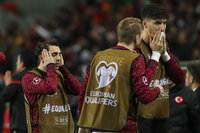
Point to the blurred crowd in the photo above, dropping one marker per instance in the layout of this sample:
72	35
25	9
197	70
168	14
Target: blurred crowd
89	26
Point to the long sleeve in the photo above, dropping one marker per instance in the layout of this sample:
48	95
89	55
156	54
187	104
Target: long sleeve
140	81
10	91
150	69
72	84
174	71
84	85
34	84
151	66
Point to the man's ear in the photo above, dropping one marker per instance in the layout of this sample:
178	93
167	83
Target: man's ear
191	78
40	57
137	39
23	64
144	24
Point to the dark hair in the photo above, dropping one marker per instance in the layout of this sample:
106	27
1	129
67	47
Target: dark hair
194	70
45	45
28	57
154	11
128	28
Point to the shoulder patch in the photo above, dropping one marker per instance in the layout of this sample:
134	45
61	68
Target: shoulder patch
145	80
178	99
36	80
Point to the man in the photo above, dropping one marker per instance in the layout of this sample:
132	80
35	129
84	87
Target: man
184	110
2	61
152	117
114	77
193	78
13	91
46	88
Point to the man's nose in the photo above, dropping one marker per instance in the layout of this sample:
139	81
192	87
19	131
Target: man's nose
58	57
163	27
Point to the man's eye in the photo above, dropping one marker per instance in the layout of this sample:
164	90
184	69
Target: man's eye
54	54
157	23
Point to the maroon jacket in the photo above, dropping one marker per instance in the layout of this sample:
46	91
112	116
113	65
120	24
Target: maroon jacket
138	71
174	72
34	86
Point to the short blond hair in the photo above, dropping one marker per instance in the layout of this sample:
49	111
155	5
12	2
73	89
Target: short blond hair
128	28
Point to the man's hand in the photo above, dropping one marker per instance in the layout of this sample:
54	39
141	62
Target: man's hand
164	44
7	77
162	91
62	60
156	44
46	58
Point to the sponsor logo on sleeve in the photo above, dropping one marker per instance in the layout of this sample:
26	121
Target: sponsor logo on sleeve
36	80
145	81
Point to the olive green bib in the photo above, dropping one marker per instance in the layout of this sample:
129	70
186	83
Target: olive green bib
160	107
54	110
108	92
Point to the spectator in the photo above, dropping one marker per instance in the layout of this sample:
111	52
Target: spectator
2	60
13	91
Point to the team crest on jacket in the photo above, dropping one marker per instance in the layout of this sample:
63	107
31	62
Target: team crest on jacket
178	99
36	80
105	73
145	80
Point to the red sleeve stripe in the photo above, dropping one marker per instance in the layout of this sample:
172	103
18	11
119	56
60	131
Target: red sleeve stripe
15	82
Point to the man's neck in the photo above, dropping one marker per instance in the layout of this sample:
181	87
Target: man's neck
40	67
130	46
195	85
21	69
145	37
